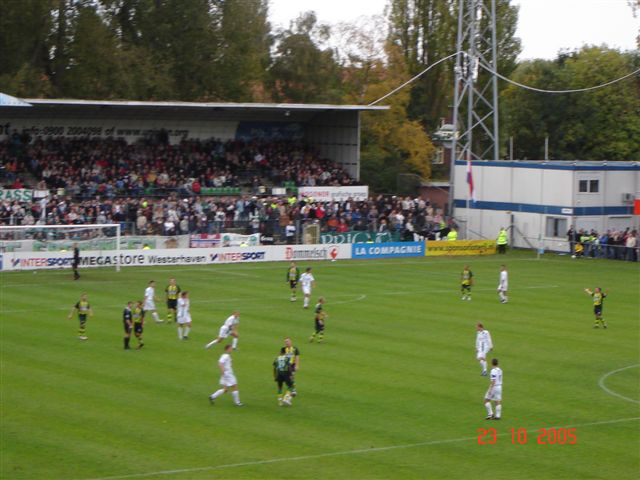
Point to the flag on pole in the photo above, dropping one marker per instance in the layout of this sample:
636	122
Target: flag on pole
472	193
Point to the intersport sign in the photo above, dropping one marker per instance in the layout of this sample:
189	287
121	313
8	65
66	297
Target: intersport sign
172	257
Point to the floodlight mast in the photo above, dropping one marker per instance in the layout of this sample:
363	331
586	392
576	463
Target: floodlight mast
475	97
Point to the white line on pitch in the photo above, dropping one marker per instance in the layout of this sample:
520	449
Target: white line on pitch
611	392
335	454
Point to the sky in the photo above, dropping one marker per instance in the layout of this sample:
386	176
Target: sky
544	26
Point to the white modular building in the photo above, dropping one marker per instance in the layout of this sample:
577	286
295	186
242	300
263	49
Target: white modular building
540	200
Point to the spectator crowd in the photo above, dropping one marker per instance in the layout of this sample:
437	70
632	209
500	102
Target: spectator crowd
86	167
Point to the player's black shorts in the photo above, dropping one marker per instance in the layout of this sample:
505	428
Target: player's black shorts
293	283
319	326
284	378
127	327
172	304
75	265
597	310
137	327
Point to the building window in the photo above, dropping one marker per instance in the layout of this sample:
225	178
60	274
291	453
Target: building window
589	186
556	227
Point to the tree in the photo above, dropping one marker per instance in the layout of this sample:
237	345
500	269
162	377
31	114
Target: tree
302	71
246	39
391	142
601	124
24	47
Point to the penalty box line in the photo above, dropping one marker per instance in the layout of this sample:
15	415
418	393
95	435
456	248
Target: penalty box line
336	454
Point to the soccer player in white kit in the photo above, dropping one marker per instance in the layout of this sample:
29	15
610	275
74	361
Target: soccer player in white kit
230	327
150	301
483	346
307	281
495	392
184	316
227	378
503	285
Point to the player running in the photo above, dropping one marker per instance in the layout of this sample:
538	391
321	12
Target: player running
307	281
503	285
184	316
466	281
320	318
293	275
150	301
283	376
598	298
495	392
227	378
483	346
173	293
228	328
84	310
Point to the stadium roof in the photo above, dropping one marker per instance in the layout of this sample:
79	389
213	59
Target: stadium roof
291	112
195	105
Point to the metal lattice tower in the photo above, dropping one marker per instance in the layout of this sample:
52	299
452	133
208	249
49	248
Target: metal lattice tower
475	109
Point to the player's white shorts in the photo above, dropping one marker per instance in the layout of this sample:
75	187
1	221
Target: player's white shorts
184	319
481	354
228	380
494	393
224	331
149	305
306	290
503	287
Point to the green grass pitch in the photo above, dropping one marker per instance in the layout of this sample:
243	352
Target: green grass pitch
395	392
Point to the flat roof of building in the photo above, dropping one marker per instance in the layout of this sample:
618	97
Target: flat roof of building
557	164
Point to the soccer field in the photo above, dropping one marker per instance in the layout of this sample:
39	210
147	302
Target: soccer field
394	392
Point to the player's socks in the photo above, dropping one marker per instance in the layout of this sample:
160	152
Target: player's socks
179	333
498	411
126	343
312	337
211	343
169	316
156	317
234	343
216	394
236	397
279	399
489	409
186	331
483	364
320	337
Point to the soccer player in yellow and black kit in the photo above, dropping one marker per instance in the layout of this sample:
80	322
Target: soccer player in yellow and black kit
172	291
320	317
466	281
137	314
282	375
293	275
598	297
293	353
84	309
